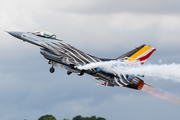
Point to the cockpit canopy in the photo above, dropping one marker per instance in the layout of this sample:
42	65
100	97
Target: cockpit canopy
46	34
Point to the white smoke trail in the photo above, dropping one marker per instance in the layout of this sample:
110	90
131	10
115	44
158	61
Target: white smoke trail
107	66
164	71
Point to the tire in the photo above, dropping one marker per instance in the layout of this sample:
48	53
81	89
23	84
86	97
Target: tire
51	70
68	72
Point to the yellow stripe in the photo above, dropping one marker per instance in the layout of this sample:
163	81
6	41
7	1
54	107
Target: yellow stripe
138	53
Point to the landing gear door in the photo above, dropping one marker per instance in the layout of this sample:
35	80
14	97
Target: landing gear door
58	65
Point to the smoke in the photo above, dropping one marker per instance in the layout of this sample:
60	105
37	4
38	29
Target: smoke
107	66
163	71
162	94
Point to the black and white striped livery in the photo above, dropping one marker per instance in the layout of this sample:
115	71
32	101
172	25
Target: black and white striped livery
61	54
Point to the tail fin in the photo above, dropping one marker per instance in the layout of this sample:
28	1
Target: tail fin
139	54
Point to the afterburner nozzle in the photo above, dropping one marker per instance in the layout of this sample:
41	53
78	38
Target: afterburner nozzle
140	85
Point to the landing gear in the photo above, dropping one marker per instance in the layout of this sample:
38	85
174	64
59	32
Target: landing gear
81	73
52	69
68	72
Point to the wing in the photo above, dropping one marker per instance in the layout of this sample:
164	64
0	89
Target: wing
139	54
69	54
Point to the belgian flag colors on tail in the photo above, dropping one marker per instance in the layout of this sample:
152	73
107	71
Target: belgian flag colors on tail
139	54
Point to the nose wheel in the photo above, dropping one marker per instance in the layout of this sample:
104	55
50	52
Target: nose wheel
52	69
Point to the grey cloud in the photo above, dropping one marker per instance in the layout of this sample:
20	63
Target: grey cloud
28	90
119	6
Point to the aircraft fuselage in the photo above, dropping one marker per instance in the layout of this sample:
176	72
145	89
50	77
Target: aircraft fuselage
62	54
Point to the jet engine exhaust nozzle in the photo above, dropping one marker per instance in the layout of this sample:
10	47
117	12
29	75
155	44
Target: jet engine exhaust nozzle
137	83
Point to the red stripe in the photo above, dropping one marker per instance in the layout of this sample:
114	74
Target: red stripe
146	56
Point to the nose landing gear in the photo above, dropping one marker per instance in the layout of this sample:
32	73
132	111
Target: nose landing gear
52	69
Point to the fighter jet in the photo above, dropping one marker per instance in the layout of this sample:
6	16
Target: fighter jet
61	54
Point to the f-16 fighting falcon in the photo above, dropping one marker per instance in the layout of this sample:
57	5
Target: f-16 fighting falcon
61	54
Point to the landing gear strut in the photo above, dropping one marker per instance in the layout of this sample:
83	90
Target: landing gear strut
52	69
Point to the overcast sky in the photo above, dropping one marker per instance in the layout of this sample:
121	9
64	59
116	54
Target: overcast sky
103	28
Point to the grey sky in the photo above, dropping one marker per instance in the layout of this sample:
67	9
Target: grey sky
104	28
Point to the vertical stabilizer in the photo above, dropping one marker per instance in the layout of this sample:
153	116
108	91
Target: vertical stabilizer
139	54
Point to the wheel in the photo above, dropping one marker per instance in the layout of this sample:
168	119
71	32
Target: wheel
51	70
81	73
68	72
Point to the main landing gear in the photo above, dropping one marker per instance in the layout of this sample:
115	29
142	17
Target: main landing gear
81	73
68	72
52	69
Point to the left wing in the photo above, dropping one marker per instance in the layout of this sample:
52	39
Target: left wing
69	54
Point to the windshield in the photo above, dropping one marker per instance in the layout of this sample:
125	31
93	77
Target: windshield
46	34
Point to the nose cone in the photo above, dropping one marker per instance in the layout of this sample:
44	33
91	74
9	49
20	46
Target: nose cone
16	34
